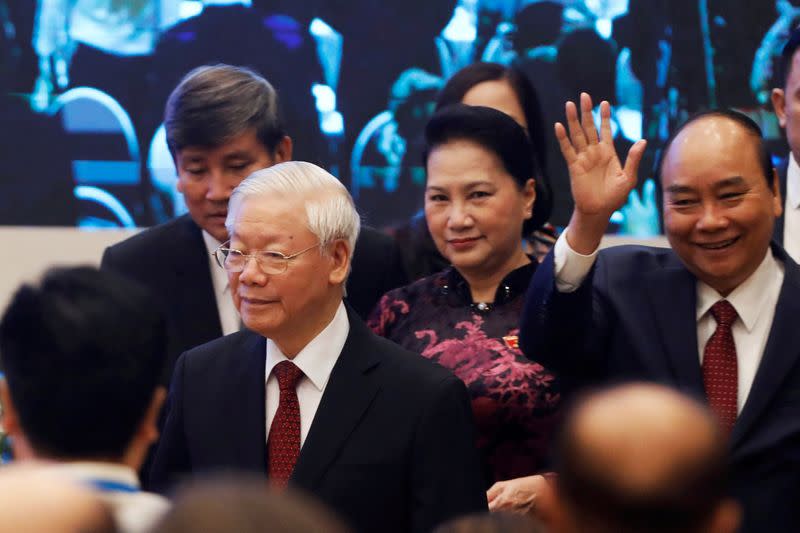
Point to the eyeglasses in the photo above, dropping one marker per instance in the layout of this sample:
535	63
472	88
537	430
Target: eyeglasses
233	260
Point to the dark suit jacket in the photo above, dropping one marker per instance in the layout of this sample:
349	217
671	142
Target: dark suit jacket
782	169
391	447
171	260
634	318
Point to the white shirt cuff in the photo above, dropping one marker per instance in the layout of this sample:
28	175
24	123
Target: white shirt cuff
571	268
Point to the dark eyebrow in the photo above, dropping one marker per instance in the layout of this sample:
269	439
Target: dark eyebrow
237	155
678	189
727	182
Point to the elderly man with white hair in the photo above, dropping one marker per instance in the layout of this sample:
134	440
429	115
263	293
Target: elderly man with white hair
309	396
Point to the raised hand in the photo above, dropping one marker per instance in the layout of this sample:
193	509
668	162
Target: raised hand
600	184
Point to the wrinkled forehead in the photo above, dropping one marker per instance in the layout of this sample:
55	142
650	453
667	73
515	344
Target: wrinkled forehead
272	214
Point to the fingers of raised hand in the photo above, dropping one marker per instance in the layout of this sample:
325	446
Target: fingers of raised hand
576	134
606	135
567	150
587	120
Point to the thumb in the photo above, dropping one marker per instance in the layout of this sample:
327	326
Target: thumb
494	491
635	155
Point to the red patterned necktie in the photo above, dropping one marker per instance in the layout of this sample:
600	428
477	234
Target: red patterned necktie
720	369
283	444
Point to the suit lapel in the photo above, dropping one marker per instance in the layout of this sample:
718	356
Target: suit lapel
196	303
349	393
780	353
246	404
673	299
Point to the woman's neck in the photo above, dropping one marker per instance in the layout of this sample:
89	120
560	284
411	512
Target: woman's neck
483	285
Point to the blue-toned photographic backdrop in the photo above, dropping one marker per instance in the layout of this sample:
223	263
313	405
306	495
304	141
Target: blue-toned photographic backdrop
84	82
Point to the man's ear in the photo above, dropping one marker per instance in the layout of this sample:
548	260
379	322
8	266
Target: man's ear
340	255
778	98
10	418
777	201
148	429
726	518
283	152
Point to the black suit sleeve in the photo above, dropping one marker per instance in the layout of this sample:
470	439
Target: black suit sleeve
565	332
446	480
172	459
377	268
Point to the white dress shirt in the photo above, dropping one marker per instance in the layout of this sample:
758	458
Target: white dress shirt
791	210
754	300
228	315
316	361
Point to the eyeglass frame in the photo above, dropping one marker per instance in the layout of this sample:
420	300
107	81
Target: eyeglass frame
256	255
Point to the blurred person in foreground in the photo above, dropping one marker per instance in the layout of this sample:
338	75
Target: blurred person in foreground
82	354
245	505
492	523
713	316
480	194
309	396
642	457
35	500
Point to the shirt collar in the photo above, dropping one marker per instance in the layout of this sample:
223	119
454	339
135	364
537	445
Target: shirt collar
97	471
793	183
319	356
749	298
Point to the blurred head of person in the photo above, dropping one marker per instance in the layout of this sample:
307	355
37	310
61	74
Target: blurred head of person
492	523
293	230
222	124
642	457
479	191
508	90
246	506
83	353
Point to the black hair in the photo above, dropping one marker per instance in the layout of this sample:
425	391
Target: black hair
467	78
82	355
748	124
213	104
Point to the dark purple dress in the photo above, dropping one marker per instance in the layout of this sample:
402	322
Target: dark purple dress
515	400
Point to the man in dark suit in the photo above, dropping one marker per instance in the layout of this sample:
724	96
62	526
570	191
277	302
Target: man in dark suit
714	317
223	123
378	433
786	104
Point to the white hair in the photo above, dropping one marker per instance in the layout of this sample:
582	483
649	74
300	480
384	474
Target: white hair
330	211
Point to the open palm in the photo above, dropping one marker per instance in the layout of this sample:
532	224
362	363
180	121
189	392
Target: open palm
600	184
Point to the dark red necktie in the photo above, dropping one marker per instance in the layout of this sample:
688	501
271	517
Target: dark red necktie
720	369
283	444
